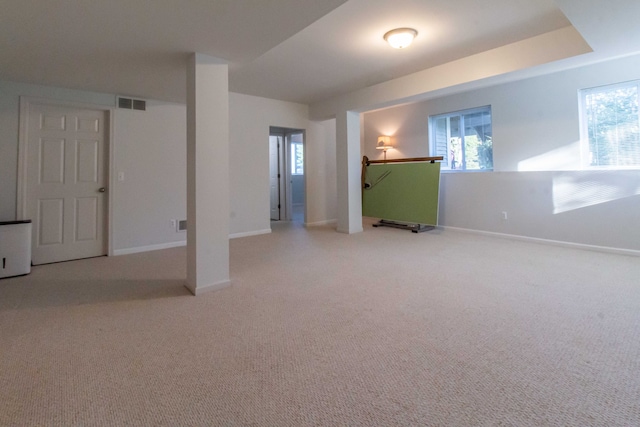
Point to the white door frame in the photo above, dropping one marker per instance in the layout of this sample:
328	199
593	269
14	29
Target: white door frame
283	158
286	142
286	211
289	188
23	138
278	169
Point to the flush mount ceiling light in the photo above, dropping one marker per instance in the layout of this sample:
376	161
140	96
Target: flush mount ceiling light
400	37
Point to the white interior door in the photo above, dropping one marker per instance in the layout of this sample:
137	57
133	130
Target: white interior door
66	182
274	175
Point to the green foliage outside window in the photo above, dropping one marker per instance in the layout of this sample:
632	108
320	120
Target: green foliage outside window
613	126
463	138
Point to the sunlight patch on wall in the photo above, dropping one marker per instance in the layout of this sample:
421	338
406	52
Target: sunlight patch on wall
576	190
559	159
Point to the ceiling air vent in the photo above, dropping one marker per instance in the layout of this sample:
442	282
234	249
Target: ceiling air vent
132	104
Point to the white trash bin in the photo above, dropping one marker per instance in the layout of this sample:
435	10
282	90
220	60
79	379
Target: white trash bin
15	248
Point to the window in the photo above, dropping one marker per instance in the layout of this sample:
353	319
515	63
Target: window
610	125
463	138
297	158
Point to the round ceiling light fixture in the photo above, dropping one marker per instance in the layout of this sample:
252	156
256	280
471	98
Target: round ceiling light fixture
400	37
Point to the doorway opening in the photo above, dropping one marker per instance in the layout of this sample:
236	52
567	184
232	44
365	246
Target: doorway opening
286	174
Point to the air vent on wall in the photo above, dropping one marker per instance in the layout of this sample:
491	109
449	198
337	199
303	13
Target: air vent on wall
182	225
139	104
132	104
125	103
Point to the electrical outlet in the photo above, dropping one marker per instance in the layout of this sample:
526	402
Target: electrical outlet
173	224
504	215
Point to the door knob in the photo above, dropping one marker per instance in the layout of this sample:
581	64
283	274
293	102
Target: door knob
102	189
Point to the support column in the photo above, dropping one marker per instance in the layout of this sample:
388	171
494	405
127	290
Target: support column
207	174
348	163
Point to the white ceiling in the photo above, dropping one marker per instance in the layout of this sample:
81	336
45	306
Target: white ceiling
295	50
345	49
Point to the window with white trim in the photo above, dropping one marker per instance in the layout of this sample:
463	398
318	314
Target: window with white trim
463	138
297	158
610	126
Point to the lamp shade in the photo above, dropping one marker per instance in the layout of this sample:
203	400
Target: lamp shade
384	143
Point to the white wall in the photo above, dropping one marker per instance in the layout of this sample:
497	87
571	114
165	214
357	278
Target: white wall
588	208
537	180
250	120
150	149
320	163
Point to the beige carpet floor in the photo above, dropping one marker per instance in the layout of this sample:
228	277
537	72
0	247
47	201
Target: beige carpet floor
382	328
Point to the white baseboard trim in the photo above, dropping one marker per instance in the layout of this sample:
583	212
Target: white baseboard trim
160	246
250	233
347	231
605	249
207	288
139	249
320	223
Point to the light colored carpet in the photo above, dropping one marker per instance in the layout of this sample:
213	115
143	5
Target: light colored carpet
382	328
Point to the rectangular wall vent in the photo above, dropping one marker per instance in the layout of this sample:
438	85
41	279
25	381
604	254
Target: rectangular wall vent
132	104
125	103
182	225
139	104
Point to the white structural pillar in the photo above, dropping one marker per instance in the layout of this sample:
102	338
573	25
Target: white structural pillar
207	174
348	164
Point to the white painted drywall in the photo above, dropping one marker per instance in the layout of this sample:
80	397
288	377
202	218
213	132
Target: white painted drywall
473	71
589	208
349	167
250	118
320	164
148	148
537	180
150	151
207	174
